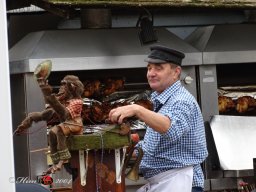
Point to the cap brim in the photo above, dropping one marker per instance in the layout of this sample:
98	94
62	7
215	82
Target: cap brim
156	61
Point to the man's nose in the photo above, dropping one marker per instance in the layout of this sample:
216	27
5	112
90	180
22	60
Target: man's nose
151	72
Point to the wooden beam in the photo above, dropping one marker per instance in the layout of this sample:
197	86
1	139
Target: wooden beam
158	3
62	11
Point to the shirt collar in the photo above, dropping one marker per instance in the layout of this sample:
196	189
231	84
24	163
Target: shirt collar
164	96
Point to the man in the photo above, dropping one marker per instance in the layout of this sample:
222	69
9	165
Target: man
174	143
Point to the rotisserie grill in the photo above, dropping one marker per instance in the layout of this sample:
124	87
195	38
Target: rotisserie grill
227	88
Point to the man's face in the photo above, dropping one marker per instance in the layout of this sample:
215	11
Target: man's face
161	76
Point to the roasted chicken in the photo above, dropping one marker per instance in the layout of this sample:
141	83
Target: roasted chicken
225	104
98	89
96	112
245	103
112	85
91	88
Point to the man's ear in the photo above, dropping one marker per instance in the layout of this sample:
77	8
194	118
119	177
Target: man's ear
178	69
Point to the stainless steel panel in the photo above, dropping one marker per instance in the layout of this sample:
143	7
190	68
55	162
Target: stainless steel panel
234	138
223	183
38	138
230	183
20	144
208	91
226	44
238	173
26	98
207	185
189	72
91	49
230	57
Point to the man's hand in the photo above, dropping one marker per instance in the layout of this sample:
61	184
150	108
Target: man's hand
120	114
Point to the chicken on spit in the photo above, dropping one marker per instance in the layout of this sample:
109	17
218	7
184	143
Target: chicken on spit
245	103
225	104
98	89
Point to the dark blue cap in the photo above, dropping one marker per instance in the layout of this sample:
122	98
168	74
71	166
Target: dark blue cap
161	54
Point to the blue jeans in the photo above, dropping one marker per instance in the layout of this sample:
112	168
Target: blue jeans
197	189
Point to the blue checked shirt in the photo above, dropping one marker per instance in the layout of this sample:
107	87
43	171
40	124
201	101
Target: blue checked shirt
183	144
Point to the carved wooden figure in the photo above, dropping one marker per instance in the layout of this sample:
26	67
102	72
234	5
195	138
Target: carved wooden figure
63	113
